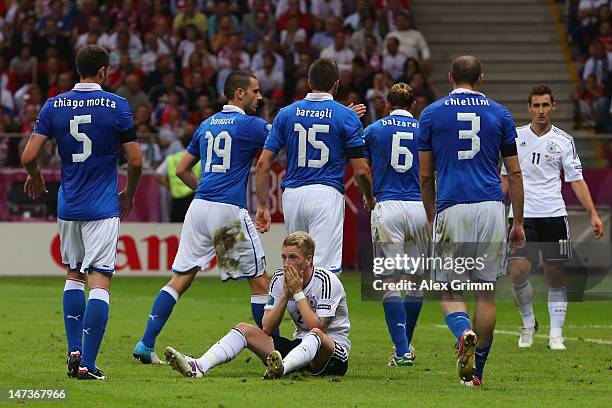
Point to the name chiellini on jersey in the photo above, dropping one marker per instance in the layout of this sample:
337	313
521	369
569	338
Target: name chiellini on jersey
87	124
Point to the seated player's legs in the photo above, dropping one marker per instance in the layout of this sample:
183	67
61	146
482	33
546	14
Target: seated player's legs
242	336
100	243
74	301
317	352
321	209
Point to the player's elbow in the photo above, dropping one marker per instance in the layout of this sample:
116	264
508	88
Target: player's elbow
362	172
268	328
263	166
27	157
135	161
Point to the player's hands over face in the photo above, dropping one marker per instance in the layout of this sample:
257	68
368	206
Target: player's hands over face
369	205
516	238
263	220
126	203
359	108
598	227
293	280
35	186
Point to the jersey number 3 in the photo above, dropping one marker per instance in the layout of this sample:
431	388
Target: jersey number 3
472	134
81	137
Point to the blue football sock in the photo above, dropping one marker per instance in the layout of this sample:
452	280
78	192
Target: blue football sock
395	315
412	306
74	311
481	358
457	322
160	312
94	326
258	302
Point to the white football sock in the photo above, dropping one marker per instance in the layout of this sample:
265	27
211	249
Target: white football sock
223	351
523	296
303	354
557	308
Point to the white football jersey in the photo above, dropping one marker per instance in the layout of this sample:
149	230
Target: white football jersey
541	159
327	298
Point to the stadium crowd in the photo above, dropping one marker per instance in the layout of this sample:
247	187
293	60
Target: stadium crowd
590	29
169	59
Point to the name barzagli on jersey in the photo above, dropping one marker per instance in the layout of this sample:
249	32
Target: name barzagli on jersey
325	113
79	103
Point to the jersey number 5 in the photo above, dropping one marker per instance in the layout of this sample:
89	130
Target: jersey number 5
81	137
472	134
311	135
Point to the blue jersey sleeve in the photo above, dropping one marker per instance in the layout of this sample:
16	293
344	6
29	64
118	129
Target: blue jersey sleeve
43	124
424	138
276	139
260	130
194	147
508	129
368	133
124	121
354	131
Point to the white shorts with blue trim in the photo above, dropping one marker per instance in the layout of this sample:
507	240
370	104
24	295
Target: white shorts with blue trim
222	230
318	210
473	236
89	245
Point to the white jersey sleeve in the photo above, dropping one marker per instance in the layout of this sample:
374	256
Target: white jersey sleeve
332	293
276	290
572	168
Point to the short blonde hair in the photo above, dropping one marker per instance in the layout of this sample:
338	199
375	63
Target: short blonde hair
301	240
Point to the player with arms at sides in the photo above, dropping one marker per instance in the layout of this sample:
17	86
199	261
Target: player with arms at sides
461	136
316	302
399	222
88	125
217	222
318	134
544	150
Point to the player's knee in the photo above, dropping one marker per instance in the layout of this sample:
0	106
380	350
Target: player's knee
318	332
245	328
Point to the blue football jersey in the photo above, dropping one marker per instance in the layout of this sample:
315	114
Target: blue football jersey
226	143
315	132
465	131
392	148
86	124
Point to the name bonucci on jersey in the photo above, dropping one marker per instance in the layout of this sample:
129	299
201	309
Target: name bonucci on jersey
541	159
327	298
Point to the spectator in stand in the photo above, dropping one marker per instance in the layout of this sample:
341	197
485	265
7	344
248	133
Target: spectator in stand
65	22
166	40
188	44
159	93
65	82
355	20
152	52
267	46
291	35
24	68
294	10
322	9
586	98
48	76
191	17
209	61
340	52
234	61
222	36
375	95
94	34
368	28
171	103
370	53
85	9
604	34
258	22
131	90
123	48
171	132
420	87
196	87
387	15
282	6
122	28
269	78
394	60
124	10
52	38
7	81
599	63
261	30
150	11
234	47
411	67
222	10
26	36
326	38
361	77
411	42
155	77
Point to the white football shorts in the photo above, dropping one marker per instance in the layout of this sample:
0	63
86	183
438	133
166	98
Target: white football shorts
222	230
318	210
89	245
400	228
470	242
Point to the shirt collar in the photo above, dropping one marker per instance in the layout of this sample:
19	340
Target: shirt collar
401	112
232	109
466	91
86	86
319	96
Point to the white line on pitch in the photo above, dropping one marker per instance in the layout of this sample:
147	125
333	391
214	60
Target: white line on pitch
543	336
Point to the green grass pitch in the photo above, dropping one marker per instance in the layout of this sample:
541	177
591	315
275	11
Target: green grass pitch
33	355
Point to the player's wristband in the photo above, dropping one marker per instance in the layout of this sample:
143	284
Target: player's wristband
299	296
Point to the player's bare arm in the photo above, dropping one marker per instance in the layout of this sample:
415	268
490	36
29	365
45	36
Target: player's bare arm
515	186
428	184
272	317
184	171
264	164
134	158
35	183
581	189
504	183
363	177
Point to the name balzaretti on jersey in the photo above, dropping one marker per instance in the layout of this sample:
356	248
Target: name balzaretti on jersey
325	113
397	122
79	103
